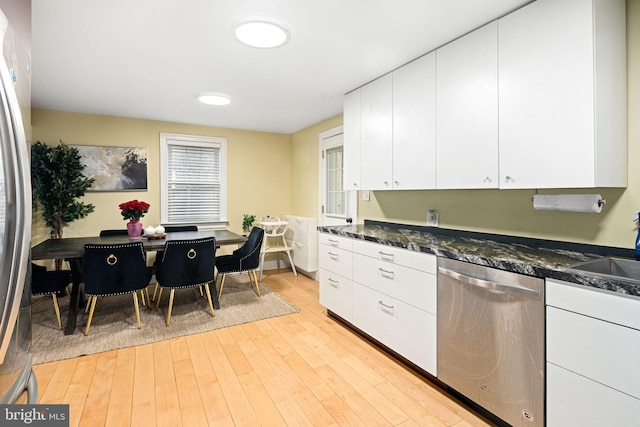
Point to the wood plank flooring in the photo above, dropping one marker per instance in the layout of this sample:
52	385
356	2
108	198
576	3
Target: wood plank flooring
303	369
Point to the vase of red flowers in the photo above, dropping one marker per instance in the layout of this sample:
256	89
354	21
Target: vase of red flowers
133	210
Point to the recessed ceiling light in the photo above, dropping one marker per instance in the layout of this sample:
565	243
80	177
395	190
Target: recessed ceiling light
261	32
214	99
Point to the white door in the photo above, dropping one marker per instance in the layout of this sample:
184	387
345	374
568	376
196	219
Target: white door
337	207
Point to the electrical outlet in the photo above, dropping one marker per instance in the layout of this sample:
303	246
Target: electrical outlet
432	218
365	195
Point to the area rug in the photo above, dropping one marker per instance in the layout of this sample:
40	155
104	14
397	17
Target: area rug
114	322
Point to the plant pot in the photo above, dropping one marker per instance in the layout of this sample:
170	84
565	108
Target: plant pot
134	228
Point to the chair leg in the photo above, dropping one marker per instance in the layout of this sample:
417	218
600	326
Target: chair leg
208	292
224	275
170	305
159	296
293	267
141	296
92	302
254	279
56	308
155	289
201	294
135	304
146	291
261	263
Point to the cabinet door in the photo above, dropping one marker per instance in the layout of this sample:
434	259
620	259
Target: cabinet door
546	95
599	350
376	129
414	127
336	294
467	110
408	331
574	400
351	147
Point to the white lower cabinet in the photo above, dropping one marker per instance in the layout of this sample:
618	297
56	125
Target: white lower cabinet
336	293
405	329
389	293
336	263
593	349
574	400
415	287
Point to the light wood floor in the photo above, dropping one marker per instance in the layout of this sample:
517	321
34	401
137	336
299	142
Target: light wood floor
303	369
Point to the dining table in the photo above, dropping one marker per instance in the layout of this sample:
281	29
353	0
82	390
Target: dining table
71	249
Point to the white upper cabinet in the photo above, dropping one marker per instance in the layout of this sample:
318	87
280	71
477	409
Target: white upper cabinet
414	126
351	147
562	95
467	110
376	122
536	99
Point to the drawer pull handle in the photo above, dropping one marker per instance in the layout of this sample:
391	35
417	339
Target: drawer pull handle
333	256
386	256
386	273
333	283
333	242
386	308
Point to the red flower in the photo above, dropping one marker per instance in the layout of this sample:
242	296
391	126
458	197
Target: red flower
134	209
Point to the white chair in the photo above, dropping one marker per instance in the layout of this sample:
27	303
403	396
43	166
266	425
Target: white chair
274	229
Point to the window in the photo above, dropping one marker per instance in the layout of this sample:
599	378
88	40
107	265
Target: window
335	193
194	180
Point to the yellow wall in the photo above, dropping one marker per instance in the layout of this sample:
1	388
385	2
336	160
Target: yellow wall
304	170
258	167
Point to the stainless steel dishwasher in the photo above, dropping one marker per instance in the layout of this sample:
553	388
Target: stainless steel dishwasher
491	339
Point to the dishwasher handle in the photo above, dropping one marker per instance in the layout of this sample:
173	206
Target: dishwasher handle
486	284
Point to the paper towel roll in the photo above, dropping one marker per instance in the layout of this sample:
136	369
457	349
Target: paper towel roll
568	202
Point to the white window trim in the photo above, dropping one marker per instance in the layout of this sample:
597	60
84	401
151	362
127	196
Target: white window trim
193	140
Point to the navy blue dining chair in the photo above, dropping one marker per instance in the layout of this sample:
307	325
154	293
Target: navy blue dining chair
244	259
186	264
114	269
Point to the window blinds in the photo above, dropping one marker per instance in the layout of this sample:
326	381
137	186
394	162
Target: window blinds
194	183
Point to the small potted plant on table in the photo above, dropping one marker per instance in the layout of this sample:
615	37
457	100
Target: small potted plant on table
247	223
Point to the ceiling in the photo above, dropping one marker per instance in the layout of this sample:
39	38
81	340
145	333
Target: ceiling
149	59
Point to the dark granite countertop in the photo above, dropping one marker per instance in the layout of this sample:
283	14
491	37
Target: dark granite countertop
533	257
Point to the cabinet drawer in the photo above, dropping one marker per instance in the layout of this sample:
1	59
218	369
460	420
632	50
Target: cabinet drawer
405	284
335	241
416	260
603	351
403	328
609	306
573	400
336	260
336	294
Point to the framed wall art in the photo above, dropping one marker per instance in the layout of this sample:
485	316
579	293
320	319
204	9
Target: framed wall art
114	168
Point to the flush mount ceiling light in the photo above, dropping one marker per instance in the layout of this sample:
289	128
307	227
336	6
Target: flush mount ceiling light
214	99
261	32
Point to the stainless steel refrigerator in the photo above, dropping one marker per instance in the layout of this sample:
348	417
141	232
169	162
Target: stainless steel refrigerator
16	374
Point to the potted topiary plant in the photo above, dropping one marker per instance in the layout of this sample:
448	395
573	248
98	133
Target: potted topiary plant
57	182
247	222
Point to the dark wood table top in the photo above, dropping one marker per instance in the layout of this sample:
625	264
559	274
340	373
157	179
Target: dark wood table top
68	248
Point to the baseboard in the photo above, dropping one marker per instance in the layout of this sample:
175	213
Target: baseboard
273	265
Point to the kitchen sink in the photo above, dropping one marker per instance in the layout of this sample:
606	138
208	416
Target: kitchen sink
610	266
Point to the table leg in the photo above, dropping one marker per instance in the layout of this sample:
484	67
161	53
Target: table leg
214	296
77	297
